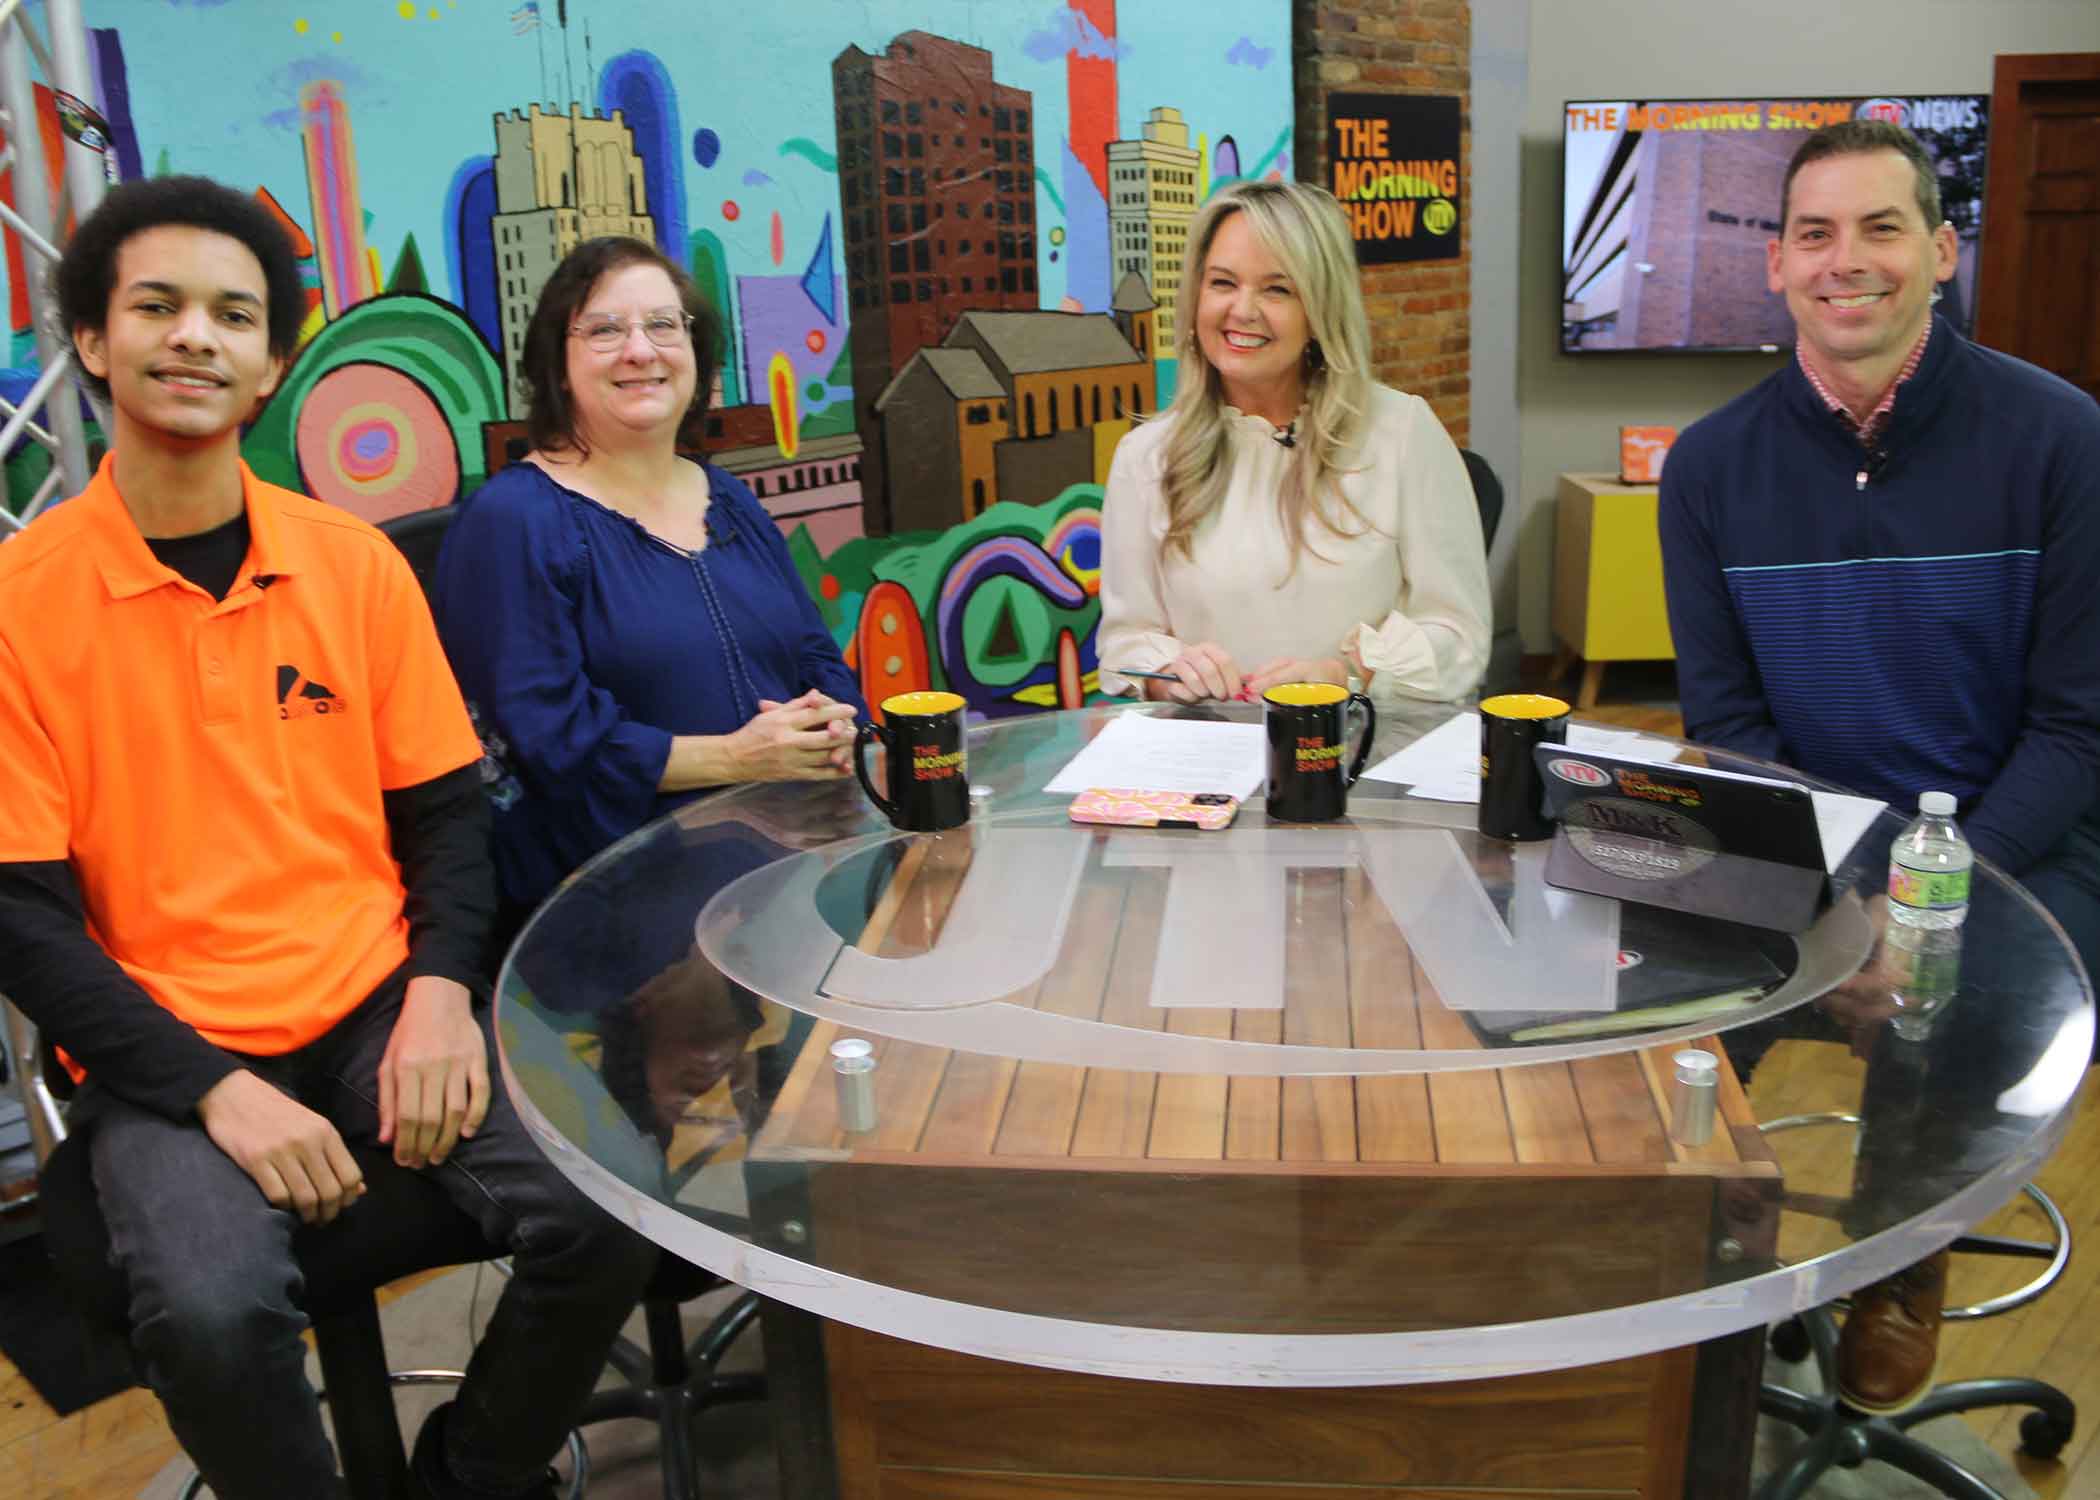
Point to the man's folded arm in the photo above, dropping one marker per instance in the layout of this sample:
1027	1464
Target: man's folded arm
81	1000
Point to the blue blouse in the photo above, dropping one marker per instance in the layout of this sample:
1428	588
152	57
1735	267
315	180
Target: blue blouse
584	644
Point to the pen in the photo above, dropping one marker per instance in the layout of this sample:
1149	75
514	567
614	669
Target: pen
1244	695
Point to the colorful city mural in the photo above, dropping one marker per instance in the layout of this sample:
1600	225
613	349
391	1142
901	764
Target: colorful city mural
1000	609
945	238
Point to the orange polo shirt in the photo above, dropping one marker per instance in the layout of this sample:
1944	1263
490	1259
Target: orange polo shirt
213	769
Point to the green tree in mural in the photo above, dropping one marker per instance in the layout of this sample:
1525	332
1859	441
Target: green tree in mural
835	417
710	268
407	275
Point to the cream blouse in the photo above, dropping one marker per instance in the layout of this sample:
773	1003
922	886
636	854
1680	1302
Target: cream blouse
1411	596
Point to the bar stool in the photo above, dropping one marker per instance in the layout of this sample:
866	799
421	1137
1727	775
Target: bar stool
403	1225
1844	1437
671	1382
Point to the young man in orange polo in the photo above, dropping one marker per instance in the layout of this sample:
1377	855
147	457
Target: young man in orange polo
244	881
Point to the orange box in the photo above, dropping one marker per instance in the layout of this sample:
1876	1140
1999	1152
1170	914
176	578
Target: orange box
1641	453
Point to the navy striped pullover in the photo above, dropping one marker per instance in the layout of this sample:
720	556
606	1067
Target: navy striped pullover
1925	619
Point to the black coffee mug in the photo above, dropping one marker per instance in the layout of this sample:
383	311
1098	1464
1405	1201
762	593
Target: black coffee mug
929	761
1307	726
1512	793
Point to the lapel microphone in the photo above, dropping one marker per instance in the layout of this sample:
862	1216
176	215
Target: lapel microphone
1288	438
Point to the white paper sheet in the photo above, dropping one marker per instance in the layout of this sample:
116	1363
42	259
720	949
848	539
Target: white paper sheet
1149	754
1444	765
1841	820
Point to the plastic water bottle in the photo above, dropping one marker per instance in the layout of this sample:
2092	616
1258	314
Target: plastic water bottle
1929	868
1924	967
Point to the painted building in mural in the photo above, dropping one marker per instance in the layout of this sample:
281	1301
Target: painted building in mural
1012	406
1135	311
1073	383
943	418
349	270
937	195
819	488
560	180
1151	198
907	213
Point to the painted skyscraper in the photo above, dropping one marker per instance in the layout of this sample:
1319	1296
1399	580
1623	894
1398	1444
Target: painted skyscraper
560	180
349	273
937	200
1151	198
1091	120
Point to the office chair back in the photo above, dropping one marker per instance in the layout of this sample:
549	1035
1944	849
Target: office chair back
1487	493
421	536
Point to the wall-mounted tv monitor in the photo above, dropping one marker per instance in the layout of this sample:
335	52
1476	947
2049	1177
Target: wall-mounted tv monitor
1667	205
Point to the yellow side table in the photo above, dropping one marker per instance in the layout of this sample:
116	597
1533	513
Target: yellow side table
1607	579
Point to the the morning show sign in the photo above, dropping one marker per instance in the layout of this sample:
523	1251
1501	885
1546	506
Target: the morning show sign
1394	165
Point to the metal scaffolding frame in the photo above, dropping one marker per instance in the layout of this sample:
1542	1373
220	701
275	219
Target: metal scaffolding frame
42	210
39	218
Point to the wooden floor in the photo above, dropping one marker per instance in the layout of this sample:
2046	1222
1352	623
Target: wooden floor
108	1451
111	1450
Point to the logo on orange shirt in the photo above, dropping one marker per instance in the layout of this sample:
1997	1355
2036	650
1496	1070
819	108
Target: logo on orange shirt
299	698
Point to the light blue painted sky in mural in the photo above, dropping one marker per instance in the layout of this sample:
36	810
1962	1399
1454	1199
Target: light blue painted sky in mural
215	83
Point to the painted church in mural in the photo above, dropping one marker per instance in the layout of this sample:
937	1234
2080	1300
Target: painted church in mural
946	240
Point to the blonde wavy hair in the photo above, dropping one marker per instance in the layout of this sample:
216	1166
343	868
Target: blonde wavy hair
1308	233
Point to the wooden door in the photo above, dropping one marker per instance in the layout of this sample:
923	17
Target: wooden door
2040	284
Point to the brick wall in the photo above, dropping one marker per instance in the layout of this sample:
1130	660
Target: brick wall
1420	328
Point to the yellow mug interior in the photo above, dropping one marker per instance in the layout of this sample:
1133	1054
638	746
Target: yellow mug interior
921	704
1523	706
1305	694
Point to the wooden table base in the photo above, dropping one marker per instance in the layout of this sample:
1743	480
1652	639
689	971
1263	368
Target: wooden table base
864	1417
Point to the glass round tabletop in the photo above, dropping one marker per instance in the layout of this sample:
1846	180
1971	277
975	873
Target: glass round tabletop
1366	1102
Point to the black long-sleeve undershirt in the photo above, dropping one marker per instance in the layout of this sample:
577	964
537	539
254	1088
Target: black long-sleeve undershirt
83	1001
440	834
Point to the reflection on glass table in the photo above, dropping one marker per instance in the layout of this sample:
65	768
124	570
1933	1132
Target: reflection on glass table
1363	1104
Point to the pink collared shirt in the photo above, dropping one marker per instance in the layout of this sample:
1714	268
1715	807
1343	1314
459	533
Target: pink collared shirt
1869	431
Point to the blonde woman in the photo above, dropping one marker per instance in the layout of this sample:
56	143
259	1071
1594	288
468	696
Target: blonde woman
1287	519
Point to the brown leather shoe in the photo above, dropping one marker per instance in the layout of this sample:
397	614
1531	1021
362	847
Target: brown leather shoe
1890	1345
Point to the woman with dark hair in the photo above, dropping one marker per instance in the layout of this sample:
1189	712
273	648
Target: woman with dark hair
626	623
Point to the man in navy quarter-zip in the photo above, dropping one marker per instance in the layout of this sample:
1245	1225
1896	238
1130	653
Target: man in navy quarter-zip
1883	566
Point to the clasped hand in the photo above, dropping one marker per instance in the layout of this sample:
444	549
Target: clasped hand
1207	671
809	738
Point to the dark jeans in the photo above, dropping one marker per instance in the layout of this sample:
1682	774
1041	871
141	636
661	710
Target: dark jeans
215	1290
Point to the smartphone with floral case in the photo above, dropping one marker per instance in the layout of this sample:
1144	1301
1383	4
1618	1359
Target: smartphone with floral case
1123	808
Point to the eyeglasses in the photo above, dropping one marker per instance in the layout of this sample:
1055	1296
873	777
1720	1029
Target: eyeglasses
605	333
